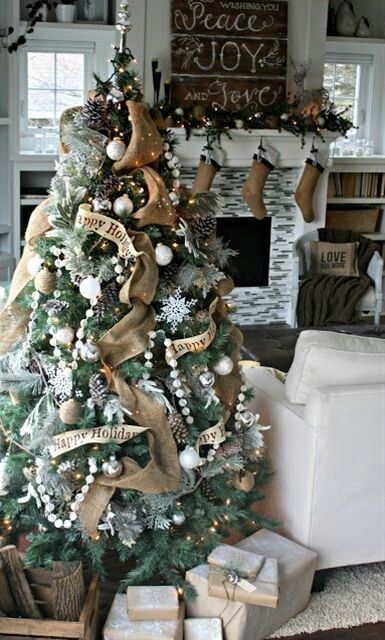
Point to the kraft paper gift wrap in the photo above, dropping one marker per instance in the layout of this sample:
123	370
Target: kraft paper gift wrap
203	629
152	603
262	591
246	564
296	567
119	627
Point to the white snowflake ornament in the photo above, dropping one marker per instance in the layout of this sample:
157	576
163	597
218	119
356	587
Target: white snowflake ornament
175	309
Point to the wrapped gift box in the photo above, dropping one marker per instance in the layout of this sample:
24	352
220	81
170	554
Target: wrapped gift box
203	629
152	603
262	591
119	627
245	563
296	567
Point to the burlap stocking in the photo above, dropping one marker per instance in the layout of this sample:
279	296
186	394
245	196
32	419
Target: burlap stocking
264	161
211	162
146	144
314	167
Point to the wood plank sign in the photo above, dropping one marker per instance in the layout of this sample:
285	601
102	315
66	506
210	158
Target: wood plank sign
230	55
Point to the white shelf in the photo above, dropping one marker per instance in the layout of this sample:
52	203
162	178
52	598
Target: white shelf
82	26
356	200
4	121
357	42
377	235
32	201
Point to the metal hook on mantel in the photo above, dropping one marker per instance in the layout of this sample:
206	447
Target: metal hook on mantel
261	147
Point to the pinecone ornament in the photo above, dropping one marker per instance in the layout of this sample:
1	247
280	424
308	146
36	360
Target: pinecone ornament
203	226
108	189
107	301
169	277
207	491
94	113
178	427
98	389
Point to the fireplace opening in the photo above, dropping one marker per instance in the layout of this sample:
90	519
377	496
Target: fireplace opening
251	238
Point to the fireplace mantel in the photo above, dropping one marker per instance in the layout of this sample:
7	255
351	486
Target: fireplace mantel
243	144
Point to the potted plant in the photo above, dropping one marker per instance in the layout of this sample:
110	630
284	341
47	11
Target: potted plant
65	12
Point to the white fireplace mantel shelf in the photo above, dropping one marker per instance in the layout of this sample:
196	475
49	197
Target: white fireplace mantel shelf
242	146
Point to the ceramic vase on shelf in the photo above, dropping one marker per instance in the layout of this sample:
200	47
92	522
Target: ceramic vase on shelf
65	12
346	21
363	29
89	10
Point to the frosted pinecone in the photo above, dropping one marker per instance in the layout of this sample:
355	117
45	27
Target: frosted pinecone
207	491
94	113
98	389
107	301
229	449
203	226
178	427
109	189
169	277
53	307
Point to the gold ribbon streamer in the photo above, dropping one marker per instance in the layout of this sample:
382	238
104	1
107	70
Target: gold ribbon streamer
197	343
107	228
70	440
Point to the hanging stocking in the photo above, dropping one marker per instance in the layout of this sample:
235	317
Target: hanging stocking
314	167
211	162
264	161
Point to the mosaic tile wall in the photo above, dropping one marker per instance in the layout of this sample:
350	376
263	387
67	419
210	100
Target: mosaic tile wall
262	305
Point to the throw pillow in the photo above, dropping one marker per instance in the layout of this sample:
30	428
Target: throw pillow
332	259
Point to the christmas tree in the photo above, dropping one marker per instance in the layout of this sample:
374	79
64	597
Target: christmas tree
123	413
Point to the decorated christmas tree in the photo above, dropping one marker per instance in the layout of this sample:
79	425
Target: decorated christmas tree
123	413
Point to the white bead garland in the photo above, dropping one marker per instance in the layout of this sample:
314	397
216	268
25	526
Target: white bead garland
173	164
148	355
176	383
49	507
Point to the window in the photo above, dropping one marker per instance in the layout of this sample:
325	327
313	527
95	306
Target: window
55	78
348	80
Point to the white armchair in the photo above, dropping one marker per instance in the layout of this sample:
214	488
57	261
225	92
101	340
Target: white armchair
370	302
327	446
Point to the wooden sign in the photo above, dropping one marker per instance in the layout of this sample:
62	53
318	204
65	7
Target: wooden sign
229	54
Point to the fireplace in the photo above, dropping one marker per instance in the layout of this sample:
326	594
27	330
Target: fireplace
263	272
251	238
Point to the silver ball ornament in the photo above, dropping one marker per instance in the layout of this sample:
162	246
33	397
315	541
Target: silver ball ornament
101	205
89	352
90	288
115	149
64	335
123	206
163	255
112	468
247	418
224	366
207	379
115	95
179	518
189	458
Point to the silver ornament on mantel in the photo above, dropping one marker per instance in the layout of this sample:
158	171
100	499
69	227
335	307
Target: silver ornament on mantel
123	206
248	419
89	352
224	366
163	255
115	149
179	518
207	379
112	468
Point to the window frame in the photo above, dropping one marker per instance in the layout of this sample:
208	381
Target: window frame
47	46
352	50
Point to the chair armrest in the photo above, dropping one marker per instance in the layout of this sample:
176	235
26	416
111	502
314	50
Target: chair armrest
375	270
347	406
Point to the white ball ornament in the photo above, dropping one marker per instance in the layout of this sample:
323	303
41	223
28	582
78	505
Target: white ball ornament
64	335
123	206
89	352
179	518
115	149
34	265
90	288
189	458
115	95
224	366
163	255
